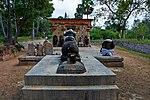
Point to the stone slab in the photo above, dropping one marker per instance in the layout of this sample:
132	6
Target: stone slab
113	64
114	58
29	60
103	92
42	82
44	73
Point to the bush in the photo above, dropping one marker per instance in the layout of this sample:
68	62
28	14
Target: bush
4	39
19	47
98	33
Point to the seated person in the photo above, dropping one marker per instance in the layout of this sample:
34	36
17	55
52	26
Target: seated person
107	48
70	47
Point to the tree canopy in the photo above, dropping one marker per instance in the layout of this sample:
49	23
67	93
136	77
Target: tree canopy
22	12
117	12
86	8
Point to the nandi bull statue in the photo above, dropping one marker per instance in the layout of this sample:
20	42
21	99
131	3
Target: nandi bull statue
70	58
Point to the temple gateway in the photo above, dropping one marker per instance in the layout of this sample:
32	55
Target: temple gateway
82	28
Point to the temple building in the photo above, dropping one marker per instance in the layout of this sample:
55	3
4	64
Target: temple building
82	28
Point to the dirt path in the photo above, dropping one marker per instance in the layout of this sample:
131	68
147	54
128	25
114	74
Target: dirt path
11	79
133	80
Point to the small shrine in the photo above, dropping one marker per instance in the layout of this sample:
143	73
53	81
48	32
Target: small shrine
82	28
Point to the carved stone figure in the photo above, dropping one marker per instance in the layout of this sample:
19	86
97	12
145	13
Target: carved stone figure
70	58
70	47
61	41
47	48
86	41
80	43
31	49
39	48
55	41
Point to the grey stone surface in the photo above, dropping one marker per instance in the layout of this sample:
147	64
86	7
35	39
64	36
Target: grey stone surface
113	64
70	92
44	73
111	61
70	68
29	60
114	58
43	83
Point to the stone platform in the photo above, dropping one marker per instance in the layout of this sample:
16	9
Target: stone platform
111	61
29	60
42	82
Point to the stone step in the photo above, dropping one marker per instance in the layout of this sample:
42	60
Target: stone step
69	80
113	64
44	73
98	92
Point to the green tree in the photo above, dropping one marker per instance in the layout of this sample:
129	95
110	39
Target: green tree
119	11
141	30
85	8
98	33
79	12
2	10
147	21
60	17
30	11
78	15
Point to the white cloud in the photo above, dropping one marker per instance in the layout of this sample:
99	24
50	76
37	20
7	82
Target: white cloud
68	6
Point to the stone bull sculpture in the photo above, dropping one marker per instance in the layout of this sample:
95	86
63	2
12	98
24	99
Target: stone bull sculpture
70	58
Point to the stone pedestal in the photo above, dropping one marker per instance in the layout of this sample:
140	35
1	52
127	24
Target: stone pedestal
29	60
43	83
76	68
111	61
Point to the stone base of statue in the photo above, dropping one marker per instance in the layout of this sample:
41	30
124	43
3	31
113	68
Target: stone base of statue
111	61
29	60
43	83
76	68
